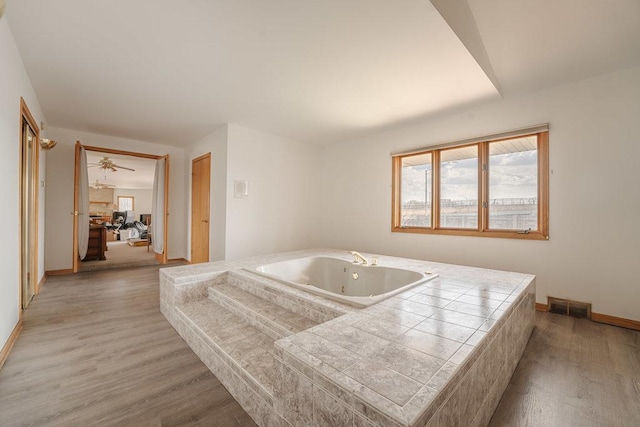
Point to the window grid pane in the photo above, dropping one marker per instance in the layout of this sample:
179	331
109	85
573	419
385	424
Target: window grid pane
459	188
513	184
416	195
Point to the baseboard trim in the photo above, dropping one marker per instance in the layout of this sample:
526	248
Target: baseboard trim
615	321
177	261
542	307
4	354
58	272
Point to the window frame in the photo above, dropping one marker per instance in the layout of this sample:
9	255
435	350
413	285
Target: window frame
133	202
483	230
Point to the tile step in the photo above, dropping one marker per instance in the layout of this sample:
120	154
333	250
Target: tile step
246	350
303	303
270	318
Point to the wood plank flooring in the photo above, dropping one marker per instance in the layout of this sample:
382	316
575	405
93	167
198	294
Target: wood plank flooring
95	350
574	373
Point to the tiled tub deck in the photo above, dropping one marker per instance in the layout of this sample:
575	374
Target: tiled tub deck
439	354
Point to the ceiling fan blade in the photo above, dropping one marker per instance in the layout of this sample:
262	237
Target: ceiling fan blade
113	169
125	168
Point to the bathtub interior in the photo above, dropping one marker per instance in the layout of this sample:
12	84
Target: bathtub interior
356	284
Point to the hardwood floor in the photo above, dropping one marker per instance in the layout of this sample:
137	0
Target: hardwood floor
95	350
574	373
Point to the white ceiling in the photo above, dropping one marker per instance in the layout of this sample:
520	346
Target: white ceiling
141	178
536	44
314	71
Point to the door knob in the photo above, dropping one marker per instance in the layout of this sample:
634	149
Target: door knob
205	220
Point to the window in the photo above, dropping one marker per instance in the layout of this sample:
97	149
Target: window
459	188
493	187
125	203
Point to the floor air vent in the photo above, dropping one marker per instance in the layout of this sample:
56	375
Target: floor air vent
570	308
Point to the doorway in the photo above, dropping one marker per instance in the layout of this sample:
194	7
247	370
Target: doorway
122	230
29	166
200	186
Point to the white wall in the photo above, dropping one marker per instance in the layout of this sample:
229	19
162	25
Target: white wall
141	199
282	209
60	170
216	144
14	83
594	246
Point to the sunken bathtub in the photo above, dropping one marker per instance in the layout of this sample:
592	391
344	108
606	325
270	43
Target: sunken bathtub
354	284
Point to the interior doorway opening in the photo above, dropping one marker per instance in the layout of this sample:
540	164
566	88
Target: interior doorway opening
29	167
127	237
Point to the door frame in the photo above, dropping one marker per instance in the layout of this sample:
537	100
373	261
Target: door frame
161	258
25	115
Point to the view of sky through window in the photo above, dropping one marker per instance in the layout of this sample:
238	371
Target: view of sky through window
512	202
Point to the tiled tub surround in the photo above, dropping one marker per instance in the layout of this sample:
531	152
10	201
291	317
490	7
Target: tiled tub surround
441	353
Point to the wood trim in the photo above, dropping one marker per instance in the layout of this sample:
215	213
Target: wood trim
204	156
6	349
435	193
542	307
165	253
161	258
543	183
36	195
24	110
483	183
58	272
396	178
74	214
122	152
471	233
177	261
25	114
616	321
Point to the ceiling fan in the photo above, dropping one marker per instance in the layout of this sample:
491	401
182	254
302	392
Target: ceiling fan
100	185
108	164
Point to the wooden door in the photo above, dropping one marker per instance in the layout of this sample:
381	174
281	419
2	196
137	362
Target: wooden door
200	184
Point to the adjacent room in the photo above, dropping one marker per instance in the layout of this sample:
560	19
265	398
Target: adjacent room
120	204
320	213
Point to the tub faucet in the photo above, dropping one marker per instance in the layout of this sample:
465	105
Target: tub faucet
357	258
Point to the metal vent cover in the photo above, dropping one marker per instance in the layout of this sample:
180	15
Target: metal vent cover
569	308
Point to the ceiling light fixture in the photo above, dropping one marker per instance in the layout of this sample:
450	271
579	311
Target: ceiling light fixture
46	143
